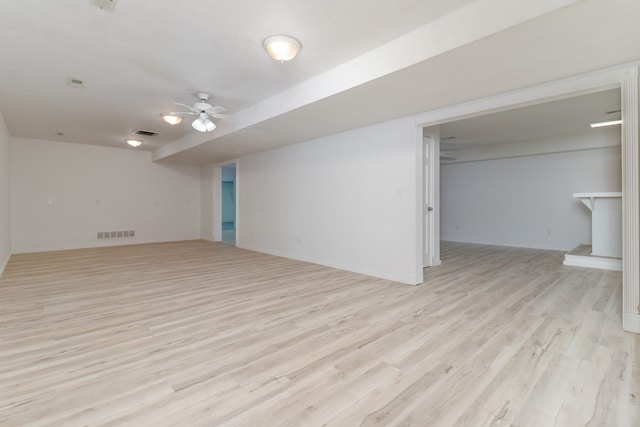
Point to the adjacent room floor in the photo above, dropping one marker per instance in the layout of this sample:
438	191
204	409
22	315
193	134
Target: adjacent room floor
229	233
195	333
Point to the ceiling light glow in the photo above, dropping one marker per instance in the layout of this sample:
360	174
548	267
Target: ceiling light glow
171	119
281	47
134	142
610	123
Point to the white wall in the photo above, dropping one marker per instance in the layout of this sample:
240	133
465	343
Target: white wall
63	194
525	201
5	195
346	201
206	202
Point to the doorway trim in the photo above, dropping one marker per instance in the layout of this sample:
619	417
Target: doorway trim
217	199
229	175
624	77
434	190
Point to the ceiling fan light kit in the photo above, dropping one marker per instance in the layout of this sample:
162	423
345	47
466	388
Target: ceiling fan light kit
203	109
282	47
203	124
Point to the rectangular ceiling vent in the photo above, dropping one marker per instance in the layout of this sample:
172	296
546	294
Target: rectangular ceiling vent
108	5
76	83
144	132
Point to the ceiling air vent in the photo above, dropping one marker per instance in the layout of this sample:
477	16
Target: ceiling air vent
76	83
144	132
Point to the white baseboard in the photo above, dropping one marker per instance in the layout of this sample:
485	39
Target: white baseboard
407	279
631	322
593	262
101	244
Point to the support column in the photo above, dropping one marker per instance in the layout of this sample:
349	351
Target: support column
630	203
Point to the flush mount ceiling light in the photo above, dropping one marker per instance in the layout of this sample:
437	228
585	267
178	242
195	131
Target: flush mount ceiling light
134	142
203	124
171	119
610	123
281	47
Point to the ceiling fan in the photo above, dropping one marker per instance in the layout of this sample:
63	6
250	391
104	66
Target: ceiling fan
203	110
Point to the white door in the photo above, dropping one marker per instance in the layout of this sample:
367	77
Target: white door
427	214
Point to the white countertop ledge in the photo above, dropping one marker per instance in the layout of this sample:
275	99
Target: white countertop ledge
589	195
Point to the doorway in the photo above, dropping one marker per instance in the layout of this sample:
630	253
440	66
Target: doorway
228	204
624	78
508	178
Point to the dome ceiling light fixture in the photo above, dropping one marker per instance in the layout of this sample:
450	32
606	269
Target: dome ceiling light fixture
171	118
282	47
134	142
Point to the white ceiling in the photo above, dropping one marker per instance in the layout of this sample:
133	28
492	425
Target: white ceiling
362	61
558	118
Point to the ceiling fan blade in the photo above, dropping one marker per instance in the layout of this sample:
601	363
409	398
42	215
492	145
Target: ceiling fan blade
221	116
188	107
217	109
178	113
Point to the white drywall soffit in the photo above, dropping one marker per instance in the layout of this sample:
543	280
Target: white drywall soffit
569	87
596	138
473	21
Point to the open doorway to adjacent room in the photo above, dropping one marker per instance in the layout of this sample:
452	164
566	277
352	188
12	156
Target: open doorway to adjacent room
511	178
228	202
605	161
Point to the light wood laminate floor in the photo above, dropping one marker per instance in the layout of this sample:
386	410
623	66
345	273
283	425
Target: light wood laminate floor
202	334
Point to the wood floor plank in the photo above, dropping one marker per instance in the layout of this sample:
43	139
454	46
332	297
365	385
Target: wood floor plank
195	333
